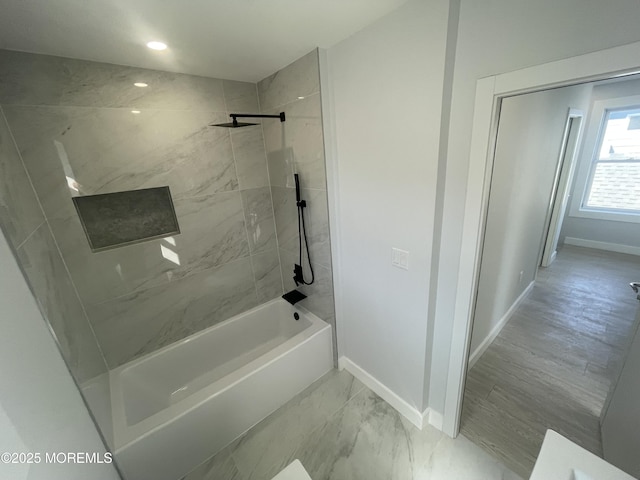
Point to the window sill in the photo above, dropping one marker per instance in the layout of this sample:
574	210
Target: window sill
604	215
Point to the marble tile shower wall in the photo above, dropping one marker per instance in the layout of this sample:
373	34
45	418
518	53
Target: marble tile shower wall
297	146
84	128
24	224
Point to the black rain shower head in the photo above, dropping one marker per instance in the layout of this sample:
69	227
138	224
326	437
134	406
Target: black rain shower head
236	124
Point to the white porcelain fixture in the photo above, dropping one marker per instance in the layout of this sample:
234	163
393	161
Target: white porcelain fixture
176	407
561	459
294	471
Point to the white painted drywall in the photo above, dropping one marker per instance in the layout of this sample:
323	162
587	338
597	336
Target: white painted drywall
529	143
386	84
41	410
494	37
608	231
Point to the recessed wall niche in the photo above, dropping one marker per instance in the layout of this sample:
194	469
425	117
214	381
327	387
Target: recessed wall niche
112	220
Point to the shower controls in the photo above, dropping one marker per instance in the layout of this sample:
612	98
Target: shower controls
298	277
400	258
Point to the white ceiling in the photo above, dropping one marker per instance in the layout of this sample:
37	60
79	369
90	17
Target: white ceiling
233	39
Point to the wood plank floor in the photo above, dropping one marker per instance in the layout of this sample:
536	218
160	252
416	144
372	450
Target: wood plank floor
553	363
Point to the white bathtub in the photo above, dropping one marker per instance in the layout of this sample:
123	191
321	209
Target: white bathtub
176	407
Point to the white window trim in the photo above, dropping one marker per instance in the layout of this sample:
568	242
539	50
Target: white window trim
591	142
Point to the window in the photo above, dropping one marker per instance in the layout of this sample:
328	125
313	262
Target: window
614	179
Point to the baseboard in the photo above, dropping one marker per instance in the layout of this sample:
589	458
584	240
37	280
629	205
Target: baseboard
480	349
611	247
407	411
434	418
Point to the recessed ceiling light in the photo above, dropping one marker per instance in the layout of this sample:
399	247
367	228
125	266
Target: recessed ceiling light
157	45
141	84
135	111
300	98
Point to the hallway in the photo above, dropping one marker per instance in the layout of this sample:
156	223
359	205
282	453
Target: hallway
553	363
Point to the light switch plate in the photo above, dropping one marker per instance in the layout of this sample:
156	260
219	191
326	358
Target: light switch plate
400	258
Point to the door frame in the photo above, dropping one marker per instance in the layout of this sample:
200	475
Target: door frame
561	184
600	65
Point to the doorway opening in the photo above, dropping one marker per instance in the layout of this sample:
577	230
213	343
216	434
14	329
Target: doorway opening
547	341
491	93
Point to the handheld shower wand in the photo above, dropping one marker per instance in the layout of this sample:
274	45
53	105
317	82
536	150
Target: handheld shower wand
298	274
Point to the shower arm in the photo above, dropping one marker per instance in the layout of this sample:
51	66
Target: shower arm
281	116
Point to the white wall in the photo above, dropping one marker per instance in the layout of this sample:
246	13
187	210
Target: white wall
387	84
498	36
40	407
527	150
607	231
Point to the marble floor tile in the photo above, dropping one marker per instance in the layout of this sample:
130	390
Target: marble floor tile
219	467
365	439
341	430
460	459
258	456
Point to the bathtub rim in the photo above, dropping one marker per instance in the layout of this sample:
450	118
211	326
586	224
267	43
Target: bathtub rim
125	435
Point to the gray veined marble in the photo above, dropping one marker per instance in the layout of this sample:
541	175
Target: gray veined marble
31	79
59	302
213	230
319	299
297	145
212	234
258	456
341	430
267	275
139	323
20	213
258	212
240	97
286	215
70	151
299	79
316	223
250	157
